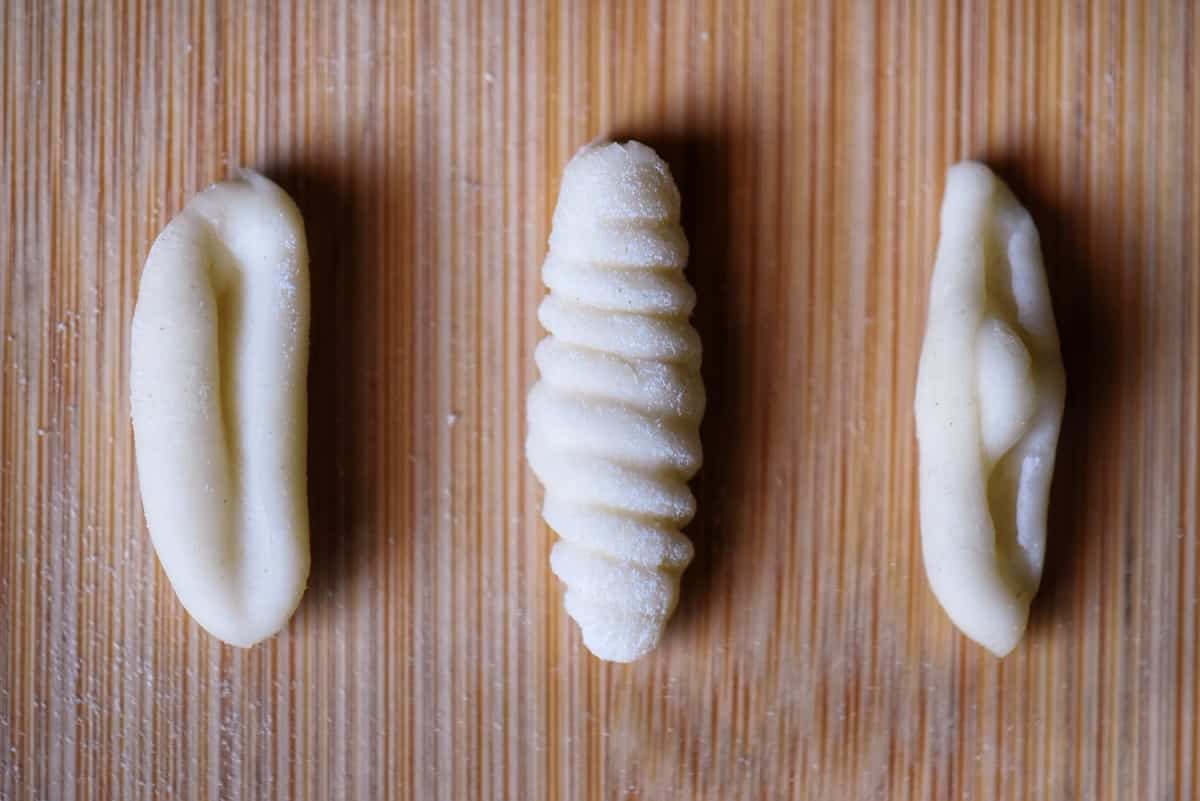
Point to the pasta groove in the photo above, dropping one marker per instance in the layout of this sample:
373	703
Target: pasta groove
614	419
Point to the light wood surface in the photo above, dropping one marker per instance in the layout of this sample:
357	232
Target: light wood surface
431	658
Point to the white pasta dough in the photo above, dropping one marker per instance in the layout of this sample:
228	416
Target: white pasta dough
219	361
989	401
614	421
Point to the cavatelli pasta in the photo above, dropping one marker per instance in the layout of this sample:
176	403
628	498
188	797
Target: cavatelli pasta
614	419
989	402
219	357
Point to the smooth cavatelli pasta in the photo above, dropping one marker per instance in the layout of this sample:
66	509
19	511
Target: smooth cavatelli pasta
989	401
219	362
614	419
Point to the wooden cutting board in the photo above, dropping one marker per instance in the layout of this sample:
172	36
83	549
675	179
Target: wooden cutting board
431	658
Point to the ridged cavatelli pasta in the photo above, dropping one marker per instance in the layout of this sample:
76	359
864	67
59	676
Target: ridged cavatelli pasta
614	420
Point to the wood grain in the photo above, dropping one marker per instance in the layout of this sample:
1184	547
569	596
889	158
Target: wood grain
431	658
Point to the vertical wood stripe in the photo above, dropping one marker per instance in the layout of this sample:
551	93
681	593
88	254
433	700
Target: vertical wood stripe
431	658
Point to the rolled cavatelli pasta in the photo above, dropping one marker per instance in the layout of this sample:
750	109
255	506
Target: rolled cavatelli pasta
219	361
614	420
989	401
